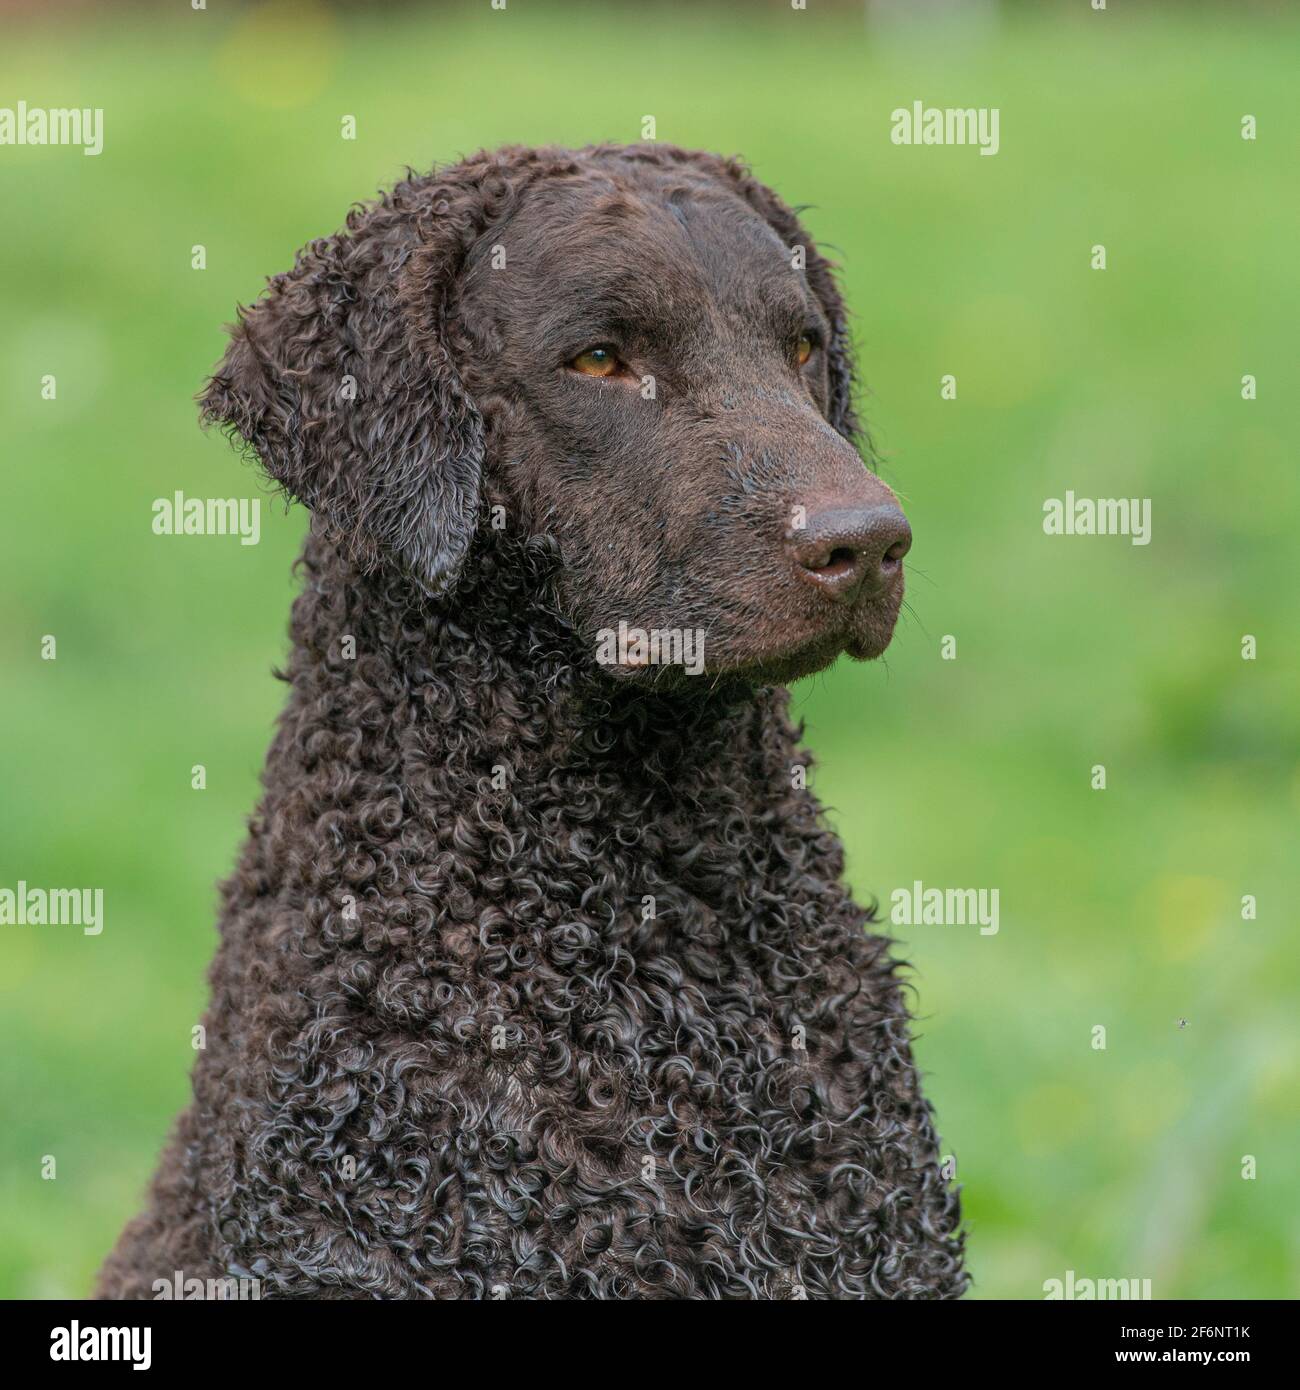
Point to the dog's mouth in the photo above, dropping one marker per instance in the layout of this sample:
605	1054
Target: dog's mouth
770	650
862	634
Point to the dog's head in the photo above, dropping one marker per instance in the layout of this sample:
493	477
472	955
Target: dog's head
635	351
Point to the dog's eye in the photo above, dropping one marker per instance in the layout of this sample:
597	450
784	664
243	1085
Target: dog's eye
597	361
803	349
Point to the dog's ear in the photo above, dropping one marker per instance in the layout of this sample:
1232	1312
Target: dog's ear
820	272
339	378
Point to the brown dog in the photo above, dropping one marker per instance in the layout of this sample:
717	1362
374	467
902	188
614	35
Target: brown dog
537	977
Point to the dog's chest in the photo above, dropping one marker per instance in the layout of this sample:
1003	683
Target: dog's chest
575	1057
633	1082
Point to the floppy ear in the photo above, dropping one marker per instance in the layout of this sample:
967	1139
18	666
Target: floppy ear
820	272
340	380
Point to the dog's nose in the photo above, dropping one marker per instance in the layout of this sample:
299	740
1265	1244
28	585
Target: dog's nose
847	551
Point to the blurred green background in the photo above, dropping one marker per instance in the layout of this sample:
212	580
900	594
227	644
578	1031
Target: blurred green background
1119	908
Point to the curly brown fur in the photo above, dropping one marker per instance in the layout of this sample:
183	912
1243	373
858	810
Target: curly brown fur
537	977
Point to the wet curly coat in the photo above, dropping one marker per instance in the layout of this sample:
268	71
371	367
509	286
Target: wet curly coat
537	978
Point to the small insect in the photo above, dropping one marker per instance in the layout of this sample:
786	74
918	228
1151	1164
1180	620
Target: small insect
1182	1023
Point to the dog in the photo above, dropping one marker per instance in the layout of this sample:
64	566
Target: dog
537	976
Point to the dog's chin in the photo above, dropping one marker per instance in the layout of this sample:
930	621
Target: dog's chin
863	637
862	634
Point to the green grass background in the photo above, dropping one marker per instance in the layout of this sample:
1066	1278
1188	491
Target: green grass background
1119	908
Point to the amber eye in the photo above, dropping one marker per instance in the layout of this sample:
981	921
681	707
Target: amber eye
803	349
597	361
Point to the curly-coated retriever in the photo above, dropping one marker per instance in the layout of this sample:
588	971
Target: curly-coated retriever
537	978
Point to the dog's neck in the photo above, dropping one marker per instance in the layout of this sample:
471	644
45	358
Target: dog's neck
494	682
473	748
